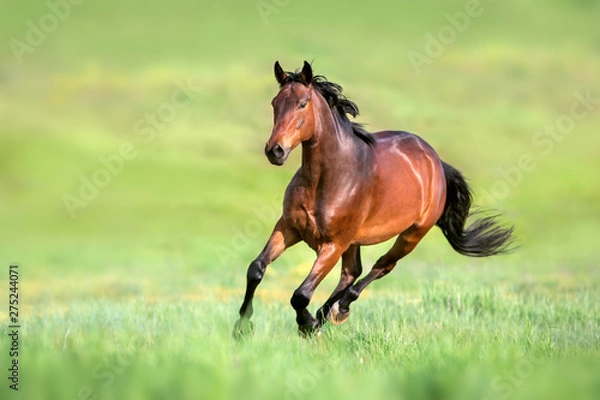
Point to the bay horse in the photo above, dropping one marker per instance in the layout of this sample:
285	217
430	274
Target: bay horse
355	189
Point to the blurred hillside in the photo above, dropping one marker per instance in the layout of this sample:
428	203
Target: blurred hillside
491	85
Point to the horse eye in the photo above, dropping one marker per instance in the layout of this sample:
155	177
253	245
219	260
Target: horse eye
303	104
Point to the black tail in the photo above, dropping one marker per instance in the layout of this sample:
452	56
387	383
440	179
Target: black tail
482	238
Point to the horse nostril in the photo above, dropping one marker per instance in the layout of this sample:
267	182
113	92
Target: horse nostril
277	151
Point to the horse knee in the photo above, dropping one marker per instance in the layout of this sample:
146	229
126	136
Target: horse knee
256	271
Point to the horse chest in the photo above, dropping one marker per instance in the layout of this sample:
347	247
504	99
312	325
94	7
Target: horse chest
303	220
316	218
299	213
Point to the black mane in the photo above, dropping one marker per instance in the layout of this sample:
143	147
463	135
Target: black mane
332	92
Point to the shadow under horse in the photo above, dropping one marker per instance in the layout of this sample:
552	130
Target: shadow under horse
355	189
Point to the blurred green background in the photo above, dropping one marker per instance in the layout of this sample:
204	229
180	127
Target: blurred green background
132	293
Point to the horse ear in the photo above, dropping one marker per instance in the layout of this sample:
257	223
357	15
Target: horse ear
307	73
280	74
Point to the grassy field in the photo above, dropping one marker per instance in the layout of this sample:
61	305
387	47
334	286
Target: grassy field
130	290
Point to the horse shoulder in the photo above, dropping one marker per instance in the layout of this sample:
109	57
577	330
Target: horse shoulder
298	207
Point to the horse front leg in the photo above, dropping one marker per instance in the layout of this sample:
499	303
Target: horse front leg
327	256
281	238
351	270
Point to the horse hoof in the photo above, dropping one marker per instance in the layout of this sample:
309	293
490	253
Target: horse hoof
335	316
309	330
242	329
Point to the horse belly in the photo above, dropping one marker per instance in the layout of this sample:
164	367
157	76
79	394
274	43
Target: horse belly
400	200
395	217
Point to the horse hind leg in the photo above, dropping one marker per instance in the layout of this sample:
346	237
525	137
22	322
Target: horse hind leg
404	244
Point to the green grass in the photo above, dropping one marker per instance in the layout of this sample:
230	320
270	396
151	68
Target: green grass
135	296
455	340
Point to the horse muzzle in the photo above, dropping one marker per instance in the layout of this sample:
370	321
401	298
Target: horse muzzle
276	154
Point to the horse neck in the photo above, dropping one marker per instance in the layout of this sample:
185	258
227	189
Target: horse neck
333	151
